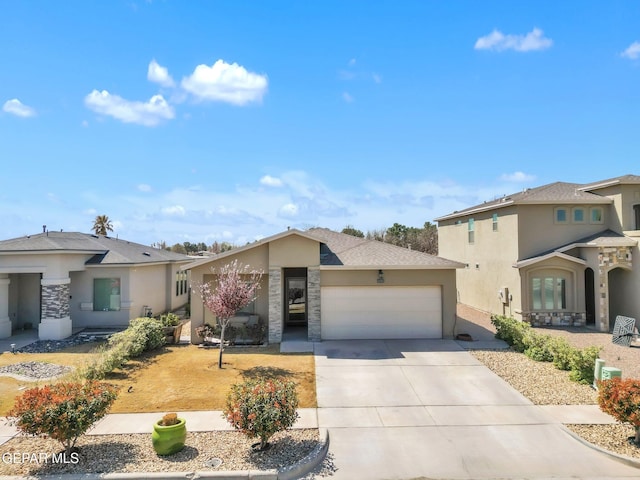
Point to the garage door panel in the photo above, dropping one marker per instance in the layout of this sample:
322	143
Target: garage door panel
381	312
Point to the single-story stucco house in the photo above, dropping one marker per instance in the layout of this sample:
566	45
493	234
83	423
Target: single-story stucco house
338	286
61	281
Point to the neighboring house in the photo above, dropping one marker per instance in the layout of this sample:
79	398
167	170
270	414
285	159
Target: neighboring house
559	254
338	286
59	281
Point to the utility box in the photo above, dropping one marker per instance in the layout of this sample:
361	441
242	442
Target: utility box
610	372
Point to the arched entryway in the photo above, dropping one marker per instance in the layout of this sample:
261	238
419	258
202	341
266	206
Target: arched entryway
619	281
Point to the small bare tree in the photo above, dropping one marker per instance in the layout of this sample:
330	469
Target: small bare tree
234	287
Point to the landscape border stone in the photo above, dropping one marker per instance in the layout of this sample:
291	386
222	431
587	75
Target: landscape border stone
621	458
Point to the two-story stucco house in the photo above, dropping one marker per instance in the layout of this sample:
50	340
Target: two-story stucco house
337	286
60	281
559	254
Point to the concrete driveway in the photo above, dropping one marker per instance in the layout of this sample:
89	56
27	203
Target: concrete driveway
409	409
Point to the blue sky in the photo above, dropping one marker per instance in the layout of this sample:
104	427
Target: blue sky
232	120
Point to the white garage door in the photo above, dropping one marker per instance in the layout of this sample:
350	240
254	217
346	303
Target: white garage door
381	312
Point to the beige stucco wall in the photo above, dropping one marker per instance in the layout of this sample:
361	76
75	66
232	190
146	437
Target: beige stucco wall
445	278
490	259
624	198
538	233
294	251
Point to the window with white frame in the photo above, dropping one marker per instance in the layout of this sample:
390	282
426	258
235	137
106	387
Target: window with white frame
596	215
471	230
548	293
577	215
106	294
560	215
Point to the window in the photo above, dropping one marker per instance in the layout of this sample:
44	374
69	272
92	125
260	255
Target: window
106	294
560	215
596	215
578	215
495	222
548	293
636	214
181	283
471	231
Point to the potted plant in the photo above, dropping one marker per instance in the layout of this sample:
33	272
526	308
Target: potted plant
172	327
169	434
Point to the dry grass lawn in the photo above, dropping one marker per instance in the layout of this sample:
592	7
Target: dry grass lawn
178	377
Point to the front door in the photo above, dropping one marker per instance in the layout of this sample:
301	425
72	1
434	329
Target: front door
296	301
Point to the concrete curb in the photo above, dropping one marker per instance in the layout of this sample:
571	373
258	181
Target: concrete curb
632	462
297	470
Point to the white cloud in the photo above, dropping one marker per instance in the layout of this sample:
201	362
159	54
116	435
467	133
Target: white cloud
289	210
347	97
16	107
175	210
496	40
632	51
517	177
149	113
376	78
270	181
143	187
225	82
159	74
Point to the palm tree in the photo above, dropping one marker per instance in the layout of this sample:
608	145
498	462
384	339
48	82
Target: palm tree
102	224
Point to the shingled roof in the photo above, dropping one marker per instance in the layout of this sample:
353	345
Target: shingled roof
552	193
105	250
342	250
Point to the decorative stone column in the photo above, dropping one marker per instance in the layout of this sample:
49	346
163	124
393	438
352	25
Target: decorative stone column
313	301
608	259
55	322
275	305
5	321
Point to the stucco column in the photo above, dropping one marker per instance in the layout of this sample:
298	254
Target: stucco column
55	320
5	321
313	301
275	305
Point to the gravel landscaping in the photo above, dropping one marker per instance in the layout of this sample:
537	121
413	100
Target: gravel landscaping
134	453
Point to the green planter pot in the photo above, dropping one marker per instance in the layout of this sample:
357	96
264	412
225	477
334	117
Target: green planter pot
168	440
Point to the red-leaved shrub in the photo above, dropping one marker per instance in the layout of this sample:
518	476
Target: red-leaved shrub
260	408
62	411
621	399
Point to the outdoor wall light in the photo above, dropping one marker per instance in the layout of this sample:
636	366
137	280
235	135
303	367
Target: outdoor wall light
380	276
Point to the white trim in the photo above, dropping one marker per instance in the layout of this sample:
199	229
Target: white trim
55	281
542	258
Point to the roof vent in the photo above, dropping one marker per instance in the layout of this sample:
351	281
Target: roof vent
146	253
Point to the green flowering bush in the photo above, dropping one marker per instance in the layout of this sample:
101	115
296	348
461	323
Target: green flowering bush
511	331
583	364
62	411
261	408
537	346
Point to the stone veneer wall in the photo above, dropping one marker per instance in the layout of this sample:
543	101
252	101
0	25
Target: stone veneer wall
275	305
55	301
313	302
538	319
608	259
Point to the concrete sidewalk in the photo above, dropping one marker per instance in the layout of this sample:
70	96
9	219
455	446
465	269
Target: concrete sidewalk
130	423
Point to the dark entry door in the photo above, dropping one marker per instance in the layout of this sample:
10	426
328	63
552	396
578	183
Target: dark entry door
296	300
589	296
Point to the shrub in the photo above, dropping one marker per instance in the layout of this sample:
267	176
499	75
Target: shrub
62	411
260	408
169	320
511	331
583	363
143	334
562	352
621	399
537	347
